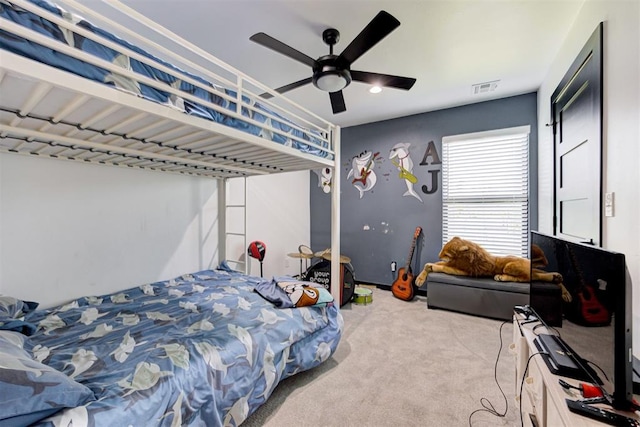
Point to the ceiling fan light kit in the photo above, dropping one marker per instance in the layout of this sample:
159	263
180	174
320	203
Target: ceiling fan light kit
332	73
332	80
328	74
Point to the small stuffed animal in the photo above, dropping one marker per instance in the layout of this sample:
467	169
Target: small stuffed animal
302	295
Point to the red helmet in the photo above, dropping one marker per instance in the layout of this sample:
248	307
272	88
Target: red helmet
257	250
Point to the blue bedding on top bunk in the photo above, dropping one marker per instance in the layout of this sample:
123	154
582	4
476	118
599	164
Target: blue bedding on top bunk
48	56
200	349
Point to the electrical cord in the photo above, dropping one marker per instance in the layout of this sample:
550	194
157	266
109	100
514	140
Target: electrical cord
524	375
536	327
487	406
604	374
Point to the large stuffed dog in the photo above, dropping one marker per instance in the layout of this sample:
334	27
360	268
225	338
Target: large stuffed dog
465	258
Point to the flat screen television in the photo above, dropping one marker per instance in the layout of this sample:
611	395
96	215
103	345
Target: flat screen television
594	327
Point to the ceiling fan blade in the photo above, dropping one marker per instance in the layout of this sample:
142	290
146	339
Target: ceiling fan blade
386	80
287	88
337	102
379	27
273	44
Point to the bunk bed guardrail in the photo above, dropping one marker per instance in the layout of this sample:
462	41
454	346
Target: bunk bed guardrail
73	91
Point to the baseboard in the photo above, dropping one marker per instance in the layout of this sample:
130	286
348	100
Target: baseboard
385	287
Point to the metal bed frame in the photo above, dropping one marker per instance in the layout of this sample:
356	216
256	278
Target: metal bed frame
45	111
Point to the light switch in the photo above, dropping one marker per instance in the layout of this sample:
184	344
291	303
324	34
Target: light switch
608	204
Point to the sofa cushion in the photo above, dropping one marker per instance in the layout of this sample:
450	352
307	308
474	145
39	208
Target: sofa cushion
479	283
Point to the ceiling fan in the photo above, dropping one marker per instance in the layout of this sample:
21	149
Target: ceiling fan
332	73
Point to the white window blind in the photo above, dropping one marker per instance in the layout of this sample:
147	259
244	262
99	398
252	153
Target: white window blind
485	191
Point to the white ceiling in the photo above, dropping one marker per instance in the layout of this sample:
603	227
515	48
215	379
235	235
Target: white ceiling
447	45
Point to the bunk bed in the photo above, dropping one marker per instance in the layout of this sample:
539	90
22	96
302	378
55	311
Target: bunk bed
74	91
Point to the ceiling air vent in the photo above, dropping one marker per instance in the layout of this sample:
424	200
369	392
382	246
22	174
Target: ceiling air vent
485	87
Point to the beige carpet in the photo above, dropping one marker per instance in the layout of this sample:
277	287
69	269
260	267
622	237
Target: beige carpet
402	364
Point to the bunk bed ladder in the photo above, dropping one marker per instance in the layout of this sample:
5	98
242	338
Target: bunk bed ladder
233	196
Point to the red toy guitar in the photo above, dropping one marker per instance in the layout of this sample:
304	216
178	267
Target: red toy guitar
589	308
365	171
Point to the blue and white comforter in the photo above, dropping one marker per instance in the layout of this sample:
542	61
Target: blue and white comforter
201	349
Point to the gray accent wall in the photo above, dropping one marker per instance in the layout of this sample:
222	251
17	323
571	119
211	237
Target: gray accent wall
378	228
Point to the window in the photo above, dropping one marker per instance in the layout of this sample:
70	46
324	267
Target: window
485	189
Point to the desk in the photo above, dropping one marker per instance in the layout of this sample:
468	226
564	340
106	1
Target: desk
542	397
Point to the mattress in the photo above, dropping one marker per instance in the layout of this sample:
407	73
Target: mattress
200	349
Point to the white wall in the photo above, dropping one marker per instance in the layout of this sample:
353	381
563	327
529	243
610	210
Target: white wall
278	211
69	229
621	128
278	214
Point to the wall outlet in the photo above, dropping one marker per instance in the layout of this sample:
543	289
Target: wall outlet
393	266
